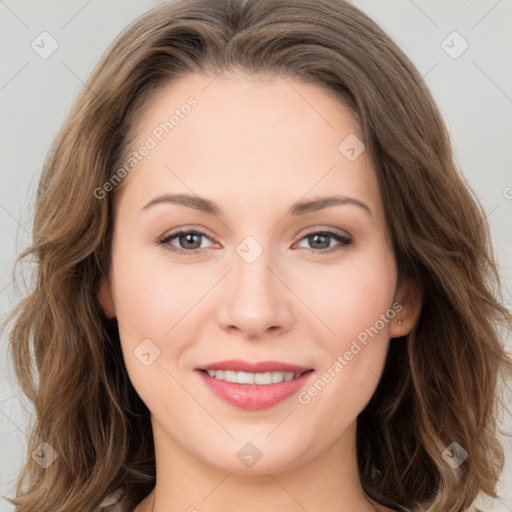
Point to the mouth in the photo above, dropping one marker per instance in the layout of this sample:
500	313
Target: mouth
254	386
260	379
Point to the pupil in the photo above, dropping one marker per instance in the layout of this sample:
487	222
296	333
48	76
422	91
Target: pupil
188	237
320	236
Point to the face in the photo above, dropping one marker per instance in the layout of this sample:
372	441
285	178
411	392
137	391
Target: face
310	293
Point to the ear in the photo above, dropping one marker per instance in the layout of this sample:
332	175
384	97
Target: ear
105	297
408	296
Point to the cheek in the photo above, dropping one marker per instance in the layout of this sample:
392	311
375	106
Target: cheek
156	306
352	296
150	296
355	302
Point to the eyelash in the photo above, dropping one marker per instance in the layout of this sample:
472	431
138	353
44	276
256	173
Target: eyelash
344	241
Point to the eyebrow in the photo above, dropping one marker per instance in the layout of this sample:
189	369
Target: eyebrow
299	208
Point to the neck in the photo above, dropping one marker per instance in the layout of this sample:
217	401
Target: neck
329	481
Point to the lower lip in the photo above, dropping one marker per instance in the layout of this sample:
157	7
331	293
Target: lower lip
254	397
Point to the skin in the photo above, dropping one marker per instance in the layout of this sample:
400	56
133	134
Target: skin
254	145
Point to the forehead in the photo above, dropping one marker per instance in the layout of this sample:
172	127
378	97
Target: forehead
251	137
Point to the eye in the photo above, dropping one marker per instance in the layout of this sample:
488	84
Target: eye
323	239
189	240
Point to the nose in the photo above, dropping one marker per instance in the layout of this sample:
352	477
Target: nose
255	299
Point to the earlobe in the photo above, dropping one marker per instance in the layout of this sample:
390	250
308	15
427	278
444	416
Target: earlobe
105	298
408	296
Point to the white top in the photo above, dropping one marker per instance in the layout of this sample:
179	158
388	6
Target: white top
114	503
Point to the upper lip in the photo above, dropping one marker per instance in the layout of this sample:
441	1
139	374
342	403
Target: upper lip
238	365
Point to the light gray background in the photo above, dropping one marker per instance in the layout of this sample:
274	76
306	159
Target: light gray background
473	91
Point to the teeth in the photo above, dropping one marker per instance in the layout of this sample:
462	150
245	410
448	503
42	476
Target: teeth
252	378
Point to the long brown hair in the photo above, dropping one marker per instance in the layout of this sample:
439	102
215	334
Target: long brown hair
441	383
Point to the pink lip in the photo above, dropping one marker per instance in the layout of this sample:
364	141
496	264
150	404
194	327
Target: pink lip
253	397
238	365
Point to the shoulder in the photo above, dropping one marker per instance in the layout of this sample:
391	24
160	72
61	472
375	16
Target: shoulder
114	503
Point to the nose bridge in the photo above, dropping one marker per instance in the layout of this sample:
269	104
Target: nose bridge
254	301
252	278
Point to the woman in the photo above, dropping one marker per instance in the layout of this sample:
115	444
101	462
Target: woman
255	369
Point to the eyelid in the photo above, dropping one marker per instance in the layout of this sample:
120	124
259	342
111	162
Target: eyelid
343	238
333	231
165	240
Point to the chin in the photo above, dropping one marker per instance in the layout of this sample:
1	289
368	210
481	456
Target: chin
255	457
